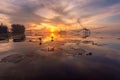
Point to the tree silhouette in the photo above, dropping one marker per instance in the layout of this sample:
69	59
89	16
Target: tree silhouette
18	29
18	32
3	32
3	29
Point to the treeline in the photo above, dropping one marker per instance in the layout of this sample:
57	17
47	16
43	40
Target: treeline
16	29
3	29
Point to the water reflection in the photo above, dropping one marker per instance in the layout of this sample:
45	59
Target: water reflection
88	58
5	46
95	41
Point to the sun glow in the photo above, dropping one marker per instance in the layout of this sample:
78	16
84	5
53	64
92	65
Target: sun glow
47	30
52	35
47	25
52	30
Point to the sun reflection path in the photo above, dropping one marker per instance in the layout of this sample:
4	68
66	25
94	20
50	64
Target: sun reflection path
52	35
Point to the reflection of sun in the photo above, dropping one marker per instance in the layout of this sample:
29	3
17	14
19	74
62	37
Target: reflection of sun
52	35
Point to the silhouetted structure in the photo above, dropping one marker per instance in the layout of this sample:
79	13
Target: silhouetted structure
18	32
40	41
52	38
4	32
86	32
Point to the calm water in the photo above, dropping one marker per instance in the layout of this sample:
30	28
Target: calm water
65	62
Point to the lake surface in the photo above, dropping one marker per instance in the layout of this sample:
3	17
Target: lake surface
73	58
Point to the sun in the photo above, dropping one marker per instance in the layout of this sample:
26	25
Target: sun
52	30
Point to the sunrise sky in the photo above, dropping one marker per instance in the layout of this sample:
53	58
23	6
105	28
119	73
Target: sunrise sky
61	13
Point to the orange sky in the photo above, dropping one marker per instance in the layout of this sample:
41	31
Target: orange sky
62	14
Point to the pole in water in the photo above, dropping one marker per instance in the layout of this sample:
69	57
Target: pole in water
52	38
40	41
